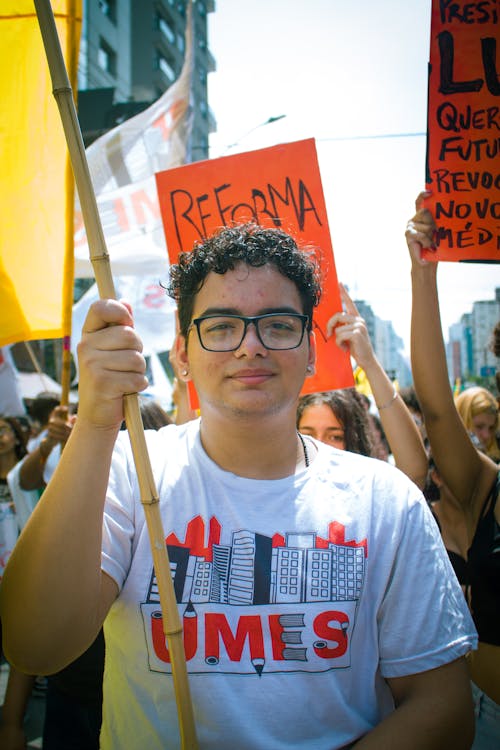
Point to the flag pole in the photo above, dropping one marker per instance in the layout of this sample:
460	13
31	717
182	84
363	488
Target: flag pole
100	262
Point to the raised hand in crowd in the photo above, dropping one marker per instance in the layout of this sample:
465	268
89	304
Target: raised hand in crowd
400	429
469	474
59	426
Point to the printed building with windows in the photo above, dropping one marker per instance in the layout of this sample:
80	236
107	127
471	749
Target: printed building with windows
251	571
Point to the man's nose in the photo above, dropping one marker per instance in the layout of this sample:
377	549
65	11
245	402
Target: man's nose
251	343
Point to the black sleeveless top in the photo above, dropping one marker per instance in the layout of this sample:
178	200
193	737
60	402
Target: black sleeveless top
483	572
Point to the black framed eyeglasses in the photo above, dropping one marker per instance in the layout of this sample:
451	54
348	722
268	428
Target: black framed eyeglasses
275	331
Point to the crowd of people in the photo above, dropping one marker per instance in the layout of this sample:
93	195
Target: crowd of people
335	557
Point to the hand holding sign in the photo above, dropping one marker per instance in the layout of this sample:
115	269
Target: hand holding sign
421	231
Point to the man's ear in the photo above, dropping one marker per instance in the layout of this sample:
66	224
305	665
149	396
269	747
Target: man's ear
181	356
311	361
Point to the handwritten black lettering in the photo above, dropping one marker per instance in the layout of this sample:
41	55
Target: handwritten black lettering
447	181
221	205
489	53
481	12
222	211
183	212
469	236
478	150
450	118
480	209
447	54
448	86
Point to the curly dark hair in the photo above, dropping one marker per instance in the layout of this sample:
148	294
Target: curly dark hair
347	405
251	244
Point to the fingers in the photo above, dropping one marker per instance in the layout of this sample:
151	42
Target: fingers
345	326
107	312
421	230
111	362
347	302
59	425
419	203
339	320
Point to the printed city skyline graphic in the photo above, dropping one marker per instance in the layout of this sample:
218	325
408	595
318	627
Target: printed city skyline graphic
257	569
285	601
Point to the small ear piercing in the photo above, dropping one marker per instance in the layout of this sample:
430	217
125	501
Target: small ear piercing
184	373
309	368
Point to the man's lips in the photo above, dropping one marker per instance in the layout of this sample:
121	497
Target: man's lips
251	377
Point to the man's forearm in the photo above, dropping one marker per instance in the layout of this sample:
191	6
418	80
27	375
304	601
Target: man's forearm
406	729
434	711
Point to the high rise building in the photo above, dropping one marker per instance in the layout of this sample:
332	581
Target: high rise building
469	346
131	51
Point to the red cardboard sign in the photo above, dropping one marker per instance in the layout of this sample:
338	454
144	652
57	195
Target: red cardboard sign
276	187
463	130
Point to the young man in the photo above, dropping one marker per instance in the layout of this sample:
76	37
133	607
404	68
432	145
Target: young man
315	591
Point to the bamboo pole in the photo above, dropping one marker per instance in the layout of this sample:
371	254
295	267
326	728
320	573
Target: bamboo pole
69	252
100	262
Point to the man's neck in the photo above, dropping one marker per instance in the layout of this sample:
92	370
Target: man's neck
256	449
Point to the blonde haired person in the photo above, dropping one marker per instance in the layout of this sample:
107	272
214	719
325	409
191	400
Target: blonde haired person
479	412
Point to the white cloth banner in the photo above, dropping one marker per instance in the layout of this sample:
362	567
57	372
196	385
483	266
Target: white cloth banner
11	401
122	165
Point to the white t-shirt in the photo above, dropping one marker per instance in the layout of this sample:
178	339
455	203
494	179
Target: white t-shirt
298	597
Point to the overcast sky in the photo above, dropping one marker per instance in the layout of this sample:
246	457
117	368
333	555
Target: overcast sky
352	75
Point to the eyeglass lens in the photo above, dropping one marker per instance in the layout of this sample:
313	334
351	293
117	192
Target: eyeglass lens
224	333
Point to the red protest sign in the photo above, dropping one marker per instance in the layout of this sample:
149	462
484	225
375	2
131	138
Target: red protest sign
276	187
463	130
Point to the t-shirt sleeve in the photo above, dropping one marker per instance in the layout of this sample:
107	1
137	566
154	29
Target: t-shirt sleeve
118	530
424	621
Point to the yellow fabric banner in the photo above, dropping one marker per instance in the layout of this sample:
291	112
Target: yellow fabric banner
37	198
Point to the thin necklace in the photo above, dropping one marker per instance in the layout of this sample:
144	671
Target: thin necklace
306	457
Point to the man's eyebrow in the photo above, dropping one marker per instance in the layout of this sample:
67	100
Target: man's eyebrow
284	310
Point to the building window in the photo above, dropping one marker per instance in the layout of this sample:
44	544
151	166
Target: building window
165	67
166	29
106	58
108	7
180	42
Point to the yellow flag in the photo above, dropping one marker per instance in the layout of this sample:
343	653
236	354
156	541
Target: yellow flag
36	188
361	382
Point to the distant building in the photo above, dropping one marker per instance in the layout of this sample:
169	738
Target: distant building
469	345
387	345
130	53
